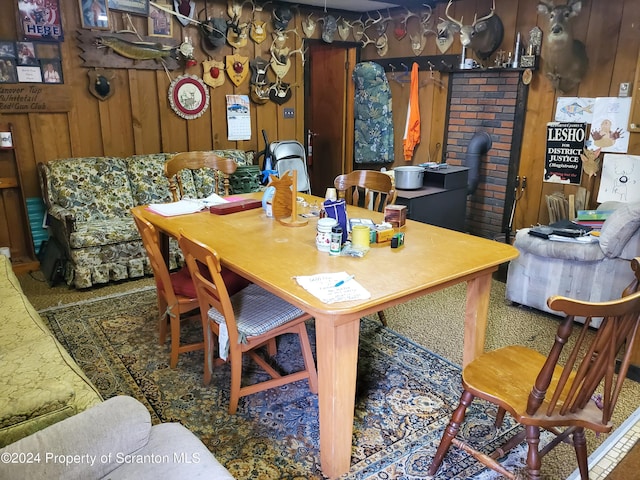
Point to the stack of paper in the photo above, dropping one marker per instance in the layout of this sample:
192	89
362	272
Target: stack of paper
323	286
186	205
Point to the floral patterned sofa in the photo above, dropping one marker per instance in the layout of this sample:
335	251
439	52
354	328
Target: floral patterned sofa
88	203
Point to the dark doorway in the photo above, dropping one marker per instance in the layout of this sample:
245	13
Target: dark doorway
329	111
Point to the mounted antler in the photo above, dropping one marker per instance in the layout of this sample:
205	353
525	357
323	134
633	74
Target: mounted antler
565	58
367	42
484	36
309	25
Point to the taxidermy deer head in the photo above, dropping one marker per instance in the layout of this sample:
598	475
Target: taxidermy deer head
565	58
483	36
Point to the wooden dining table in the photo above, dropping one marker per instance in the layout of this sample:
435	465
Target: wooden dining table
271	255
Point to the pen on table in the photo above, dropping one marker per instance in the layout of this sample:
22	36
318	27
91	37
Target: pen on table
341	282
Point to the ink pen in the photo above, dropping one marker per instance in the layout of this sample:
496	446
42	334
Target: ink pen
342	282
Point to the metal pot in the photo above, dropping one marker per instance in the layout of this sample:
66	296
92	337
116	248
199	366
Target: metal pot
408	177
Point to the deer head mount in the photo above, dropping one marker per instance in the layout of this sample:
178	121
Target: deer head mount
565	58
483	36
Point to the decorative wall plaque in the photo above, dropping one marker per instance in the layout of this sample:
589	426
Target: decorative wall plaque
188	96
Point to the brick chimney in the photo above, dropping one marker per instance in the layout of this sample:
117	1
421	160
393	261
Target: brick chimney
491	101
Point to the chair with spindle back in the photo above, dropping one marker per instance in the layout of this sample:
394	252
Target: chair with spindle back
541	392
195	161
243	322
368	189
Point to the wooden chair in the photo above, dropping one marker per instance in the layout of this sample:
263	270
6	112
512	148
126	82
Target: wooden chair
539	392
369	189
172	306
366	188
244	322
194	161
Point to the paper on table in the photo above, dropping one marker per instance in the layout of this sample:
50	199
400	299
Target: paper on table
186	205
322	286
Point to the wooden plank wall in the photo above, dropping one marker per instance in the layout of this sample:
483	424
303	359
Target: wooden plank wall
138	118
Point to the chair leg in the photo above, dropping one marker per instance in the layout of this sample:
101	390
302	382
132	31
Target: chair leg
307	355
208	352
272	348
382	318
580	446
235	358
451	431
162	322
534	461
500	417
174	322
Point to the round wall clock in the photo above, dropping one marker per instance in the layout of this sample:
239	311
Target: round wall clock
188	96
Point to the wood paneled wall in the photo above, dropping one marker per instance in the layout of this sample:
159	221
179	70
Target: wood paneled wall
138	118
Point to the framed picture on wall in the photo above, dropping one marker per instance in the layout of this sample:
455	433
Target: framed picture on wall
51	70
8	70
29	74
160	24
94	14
137	7
41	21
7	49
26	53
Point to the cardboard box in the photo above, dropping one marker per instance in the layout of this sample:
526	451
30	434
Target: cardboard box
396	215
385	235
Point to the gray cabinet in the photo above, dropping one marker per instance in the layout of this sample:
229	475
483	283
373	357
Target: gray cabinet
442	201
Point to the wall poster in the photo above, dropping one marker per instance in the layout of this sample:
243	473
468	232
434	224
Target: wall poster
565	142
620	180
609	125
40	20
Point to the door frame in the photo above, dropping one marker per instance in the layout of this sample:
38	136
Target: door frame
352	56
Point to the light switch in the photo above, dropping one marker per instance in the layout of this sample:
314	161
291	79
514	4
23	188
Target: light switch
288	113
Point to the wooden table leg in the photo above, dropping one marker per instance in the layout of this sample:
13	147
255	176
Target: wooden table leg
337	351
475	317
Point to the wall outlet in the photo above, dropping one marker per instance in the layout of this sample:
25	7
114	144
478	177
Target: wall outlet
288	113
623	91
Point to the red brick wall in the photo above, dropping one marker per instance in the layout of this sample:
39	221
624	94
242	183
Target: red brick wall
489	101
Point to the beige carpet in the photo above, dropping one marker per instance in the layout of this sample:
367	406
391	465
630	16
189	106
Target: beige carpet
434	321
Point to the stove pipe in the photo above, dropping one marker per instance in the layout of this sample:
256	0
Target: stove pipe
478	146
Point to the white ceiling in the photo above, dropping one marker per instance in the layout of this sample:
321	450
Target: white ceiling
361	5
350	5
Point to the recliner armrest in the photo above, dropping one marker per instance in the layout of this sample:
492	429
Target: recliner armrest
85	446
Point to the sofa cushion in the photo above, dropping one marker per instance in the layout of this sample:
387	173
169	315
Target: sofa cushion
147	179
183	284
588	252
95	233
93	188
619	228
240	156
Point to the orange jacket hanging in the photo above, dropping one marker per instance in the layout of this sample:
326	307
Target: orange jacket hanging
412	129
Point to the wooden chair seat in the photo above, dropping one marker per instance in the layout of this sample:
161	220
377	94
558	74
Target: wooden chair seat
518	367
542	392
248	320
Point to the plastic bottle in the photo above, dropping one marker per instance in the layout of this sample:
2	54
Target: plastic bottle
335	246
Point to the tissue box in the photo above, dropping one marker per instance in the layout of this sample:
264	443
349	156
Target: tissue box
396	215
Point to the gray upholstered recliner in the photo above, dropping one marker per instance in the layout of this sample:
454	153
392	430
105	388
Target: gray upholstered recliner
113	440
595	271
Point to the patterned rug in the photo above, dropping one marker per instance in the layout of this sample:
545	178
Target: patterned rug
404	397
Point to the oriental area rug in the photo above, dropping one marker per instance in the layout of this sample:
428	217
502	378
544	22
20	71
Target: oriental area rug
404	397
